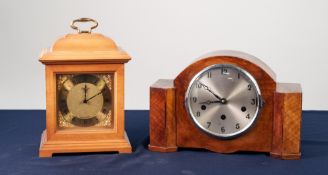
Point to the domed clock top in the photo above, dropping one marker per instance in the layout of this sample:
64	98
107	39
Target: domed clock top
83	48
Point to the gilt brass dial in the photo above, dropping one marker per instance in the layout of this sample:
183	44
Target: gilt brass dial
85	100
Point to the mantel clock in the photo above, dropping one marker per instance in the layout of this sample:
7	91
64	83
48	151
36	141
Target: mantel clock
84	94
226	101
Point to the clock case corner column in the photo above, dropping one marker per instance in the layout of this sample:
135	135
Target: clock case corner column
162	123
286	141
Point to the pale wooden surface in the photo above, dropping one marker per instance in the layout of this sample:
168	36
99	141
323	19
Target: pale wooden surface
289	88
48	148
77	54
84	42
84	49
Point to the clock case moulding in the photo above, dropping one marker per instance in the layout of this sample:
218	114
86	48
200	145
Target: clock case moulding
84	53
276	131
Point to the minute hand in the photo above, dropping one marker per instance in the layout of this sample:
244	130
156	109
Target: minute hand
208	102
222	100
93	96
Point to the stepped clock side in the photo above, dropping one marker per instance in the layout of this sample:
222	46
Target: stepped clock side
226	101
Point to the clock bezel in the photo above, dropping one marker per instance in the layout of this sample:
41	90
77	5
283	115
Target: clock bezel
259	102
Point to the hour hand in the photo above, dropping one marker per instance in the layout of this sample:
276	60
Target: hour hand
208	102
85	93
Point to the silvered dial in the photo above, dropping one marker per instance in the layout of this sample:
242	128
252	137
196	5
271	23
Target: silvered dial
223	100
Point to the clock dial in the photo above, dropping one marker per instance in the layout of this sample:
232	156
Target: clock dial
85	100
223	100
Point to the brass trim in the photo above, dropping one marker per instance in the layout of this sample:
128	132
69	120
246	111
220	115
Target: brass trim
84	20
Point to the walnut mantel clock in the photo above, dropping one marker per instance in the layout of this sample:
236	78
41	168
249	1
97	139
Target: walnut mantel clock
84	94
226	101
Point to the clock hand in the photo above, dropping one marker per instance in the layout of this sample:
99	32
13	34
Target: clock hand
222	100
208	102
93	96
85	93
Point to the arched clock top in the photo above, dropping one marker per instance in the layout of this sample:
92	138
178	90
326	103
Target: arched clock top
261	72
242	55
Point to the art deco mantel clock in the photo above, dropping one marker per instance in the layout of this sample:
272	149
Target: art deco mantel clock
226	101
84	94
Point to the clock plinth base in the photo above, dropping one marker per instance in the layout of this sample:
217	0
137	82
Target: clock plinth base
48	148
162	149
286	156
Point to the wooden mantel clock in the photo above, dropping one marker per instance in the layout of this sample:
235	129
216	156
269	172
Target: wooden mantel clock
84	94
226	101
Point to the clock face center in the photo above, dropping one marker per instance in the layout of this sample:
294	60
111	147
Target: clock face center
85	100
223	100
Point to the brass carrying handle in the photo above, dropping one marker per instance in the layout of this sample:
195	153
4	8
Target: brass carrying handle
84	20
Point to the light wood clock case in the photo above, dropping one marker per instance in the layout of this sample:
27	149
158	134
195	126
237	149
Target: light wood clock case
226	101
84	94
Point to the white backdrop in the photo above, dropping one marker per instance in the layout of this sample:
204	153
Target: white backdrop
163	37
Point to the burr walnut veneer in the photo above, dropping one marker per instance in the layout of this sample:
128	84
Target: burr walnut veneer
276	131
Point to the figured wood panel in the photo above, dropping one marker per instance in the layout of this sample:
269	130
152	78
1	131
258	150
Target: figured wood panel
277	138
162	116
287	121
292	124
157	121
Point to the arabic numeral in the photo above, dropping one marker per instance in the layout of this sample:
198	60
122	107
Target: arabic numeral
247	116
194	99
222	129
198	114
249	87
224	71
237	126
253	101
209	124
